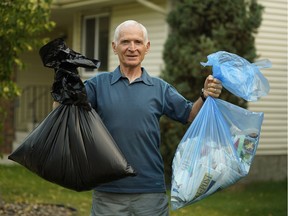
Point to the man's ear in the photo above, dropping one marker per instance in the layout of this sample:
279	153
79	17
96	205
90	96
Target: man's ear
147	46
114	48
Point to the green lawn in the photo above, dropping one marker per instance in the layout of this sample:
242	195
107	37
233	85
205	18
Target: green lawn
17	184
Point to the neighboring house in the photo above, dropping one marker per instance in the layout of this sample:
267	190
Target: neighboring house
88	25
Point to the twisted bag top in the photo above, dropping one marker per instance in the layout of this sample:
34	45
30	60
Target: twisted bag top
56	54
67	88
240	77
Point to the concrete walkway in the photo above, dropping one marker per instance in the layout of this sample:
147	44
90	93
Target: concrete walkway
19	137
4	160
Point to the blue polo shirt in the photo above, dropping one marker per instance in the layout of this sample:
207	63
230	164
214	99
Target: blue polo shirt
131	113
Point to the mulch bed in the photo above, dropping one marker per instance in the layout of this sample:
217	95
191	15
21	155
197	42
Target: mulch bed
25	209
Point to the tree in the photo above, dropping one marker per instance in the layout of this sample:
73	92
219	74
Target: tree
22	23
199	28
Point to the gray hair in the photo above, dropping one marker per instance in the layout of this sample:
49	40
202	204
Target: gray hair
129	23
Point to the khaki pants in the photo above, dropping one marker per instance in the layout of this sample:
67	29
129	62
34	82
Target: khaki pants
114	204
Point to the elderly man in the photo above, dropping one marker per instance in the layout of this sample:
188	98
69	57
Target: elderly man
130	103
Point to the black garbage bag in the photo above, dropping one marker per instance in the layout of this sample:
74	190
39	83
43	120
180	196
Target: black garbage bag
71	146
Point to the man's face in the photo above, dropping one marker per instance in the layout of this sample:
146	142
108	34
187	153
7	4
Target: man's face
131	47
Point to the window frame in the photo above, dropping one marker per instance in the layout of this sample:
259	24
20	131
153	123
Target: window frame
84	73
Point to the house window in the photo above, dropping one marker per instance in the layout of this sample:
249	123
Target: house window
96	40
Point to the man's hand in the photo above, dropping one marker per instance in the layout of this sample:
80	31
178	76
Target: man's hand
212	87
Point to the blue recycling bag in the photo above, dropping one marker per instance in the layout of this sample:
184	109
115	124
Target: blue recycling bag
239	76
216	151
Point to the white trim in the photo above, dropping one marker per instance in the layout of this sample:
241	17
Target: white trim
74	4
153	6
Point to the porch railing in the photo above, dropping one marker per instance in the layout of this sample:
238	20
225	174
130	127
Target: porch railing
34	104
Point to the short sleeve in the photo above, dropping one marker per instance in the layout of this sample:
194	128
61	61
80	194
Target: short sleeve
176	106
90	86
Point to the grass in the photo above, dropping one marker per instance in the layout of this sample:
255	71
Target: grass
17	184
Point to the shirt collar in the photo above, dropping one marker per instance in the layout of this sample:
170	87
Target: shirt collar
145	77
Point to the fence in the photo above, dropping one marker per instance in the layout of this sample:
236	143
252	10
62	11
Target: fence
32	107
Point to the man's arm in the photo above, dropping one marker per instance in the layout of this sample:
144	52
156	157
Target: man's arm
213	88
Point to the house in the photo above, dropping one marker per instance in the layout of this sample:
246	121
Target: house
88	25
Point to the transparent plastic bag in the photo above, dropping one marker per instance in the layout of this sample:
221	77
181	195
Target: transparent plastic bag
239	76
245	127
216	151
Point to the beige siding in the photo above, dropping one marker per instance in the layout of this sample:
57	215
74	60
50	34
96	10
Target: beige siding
157	30
271	43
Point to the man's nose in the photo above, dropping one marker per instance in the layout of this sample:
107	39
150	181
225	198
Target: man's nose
132	46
